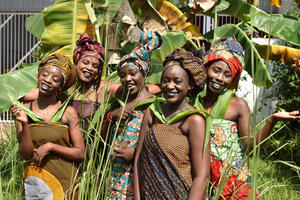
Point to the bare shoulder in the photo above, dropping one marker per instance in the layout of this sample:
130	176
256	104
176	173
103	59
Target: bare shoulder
195	119
239	102
71	112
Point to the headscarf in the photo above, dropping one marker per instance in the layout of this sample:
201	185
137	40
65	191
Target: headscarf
192	64
229	51
63	64
140	56
87	46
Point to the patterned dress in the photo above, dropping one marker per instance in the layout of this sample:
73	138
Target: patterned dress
166	164
228	160
122	172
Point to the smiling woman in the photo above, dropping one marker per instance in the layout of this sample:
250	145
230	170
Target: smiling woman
53	144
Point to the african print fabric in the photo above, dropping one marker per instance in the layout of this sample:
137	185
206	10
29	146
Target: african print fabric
122	172
227	160
166	164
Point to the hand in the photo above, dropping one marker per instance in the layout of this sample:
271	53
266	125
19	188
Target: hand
126	113
286	116
19	114
126	153
41	152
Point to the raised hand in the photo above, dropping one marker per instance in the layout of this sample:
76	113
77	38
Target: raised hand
286	116
19	114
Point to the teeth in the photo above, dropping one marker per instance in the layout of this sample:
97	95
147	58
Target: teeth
87	74
45	87
216	86
171	94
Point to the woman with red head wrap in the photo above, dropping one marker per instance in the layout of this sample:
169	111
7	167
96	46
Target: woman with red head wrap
231	130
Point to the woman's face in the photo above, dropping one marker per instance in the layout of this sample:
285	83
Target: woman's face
87	69
219	76
50	80
131	78
174	83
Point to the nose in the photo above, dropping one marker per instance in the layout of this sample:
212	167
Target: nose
170	85
47	79
219	77
128	78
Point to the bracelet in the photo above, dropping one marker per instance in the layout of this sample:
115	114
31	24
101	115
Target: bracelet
108	117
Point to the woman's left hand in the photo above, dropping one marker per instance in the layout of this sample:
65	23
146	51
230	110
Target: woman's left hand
126	153
286	116
41	152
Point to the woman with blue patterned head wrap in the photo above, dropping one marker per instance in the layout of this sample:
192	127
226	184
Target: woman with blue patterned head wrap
132	71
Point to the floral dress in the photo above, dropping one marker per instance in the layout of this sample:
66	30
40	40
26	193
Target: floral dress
228	161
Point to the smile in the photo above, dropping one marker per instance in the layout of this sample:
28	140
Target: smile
216	86
171	94
45	87
87	74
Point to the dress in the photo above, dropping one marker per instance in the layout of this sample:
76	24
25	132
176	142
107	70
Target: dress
166	164
228	160
122	172
54	178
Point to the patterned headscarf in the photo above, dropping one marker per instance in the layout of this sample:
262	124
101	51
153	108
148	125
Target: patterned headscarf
229	51
63	64
139	56
87	46
192	64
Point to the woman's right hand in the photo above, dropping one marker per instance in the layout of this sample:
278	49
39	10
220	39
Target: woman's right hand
126	113
19	114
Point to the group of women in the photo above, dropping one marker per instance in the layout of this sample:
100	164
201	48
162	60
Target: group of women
161	151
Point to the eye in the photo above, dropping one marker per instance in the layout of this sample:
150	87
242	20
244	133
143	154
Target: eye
216	69
122	75
132	73
165	80
178	81
228	75
55	79
95	66
84	61
44	73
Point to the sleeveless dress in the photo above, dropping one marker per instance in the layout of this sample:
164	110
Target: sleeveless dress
228	160
54	178
166	164
121	184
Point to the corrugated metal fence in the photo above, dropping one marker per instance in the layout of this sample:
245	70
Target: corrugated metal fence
16	45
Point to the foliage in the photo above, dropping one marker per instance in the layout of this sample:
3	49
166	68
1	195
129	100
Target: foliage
287	90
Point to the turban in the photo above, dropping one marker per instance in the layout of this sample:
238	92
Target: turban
63	64
192	64
229	51
140	56
86	47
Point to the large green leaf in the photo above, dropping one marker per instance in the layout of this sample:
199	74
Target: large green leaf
259	73
278	25
16	84
35	25
64	21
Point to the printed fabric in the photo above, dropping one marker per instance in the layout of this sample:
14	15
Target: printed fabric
228	161
166	164
122	171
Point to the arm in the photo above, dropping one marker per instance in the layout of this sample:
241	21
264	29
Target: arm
245	127
23	134
71	153
147	121
200	161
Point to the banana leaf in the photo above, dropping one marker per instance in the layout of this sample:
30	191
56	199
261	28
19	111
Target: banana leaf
147	102
260	73
16	84
286	55
64	21
277	25
35	25
29	112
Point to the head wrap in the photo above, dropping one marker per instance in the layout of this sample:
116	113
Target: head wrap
229	51
63	64
87	46
140	56
192	64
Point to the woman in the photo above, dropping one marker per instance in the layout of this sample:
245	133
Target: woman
132	71
170	162
53	144
231	130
